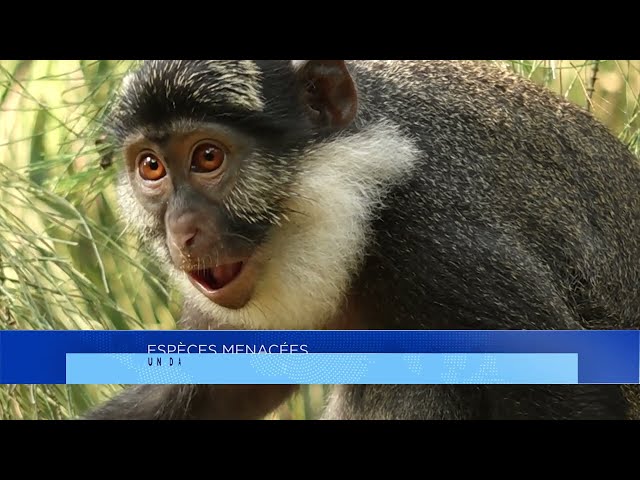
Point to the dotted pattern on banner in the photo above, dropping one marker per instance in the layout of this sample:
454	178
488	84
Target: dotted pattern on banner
272	365
486	372
455	364
414	362
103	343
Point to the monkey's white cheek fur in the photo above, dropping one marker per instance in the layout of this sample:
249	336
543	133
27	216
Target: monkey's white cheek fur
313	258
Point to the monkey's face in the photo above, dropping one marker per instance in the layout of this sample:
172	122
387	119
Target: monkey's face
243	179
192	181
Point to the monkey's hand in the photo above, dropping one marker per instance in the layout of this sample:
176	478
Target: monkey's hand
147	402
193	402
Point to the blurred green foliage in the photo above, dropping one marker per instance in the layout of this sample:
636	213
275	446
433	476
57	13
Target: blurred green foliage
66	262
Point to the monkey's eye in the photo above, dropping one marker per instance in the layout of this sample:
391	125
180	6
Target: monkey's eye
207	157
150	167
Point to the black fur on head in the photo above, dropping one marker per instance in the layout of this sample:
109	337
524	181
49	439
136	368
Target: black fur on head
261	97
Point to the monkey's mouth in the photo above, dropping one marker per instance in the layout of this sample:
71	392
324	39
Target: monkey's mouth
229	285
216	278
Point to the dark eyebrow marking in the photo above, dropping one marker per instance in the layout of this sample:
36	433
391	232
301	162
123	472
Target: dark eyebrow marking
159	138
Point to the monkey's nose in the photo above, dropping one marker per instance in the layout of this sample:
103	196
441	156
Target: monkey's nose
184	232
186	239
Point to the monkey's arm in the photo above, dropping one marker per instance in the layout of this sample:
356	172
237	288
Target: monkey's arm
477	402
193	402
405	402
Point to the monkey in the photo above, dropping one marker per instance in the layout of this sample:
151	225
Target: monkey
399	195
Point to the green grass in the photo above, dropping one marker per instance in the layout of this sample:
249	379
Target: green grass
66	262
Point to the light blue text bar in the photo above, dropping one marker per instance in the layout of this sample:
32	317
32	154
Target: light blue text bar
323	368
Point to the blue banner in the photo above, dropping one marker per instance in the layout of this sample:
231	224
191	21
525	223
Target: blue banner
380	356
324	368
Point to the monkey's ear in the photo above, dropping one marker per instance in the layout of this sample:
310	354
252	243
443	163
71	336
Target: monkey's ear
328	91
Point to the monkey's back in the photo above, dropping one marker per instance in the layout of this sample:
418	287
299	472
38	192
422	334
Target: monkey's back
518	185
